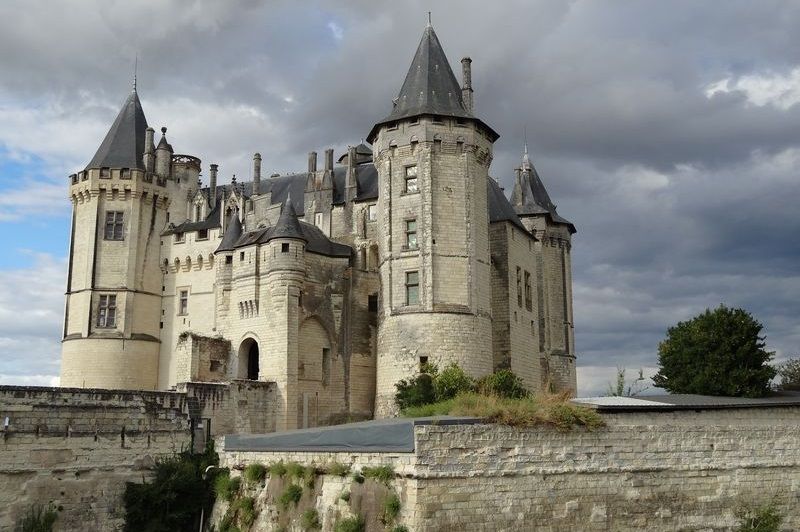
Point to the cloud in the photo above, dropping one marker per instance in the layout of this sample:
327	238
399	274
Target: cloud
779	90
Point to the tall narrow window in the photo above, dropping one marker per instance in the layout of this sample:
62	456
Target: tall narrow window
412	288
519	286
318	219
372	213
107	311
197	213
411	179
183	302
528	292
114	225
411	234
326	366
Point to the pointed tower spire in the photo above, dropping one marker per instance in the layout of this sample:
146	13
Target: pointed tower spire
233	230
288	225
530	197
135	68
123	146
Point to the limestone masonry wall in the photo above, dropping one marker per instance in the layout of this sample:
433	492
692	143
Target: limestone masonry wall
660	471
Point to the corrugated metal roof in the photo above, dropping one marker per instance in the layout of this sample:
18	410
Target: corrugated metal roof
687	402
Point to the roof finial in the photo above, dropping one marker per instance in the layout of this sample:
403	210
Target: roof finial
429	19
135	69
526	160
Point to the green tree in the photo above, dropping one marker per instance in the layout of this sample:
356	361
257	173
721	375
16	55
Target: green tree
619	388
719	352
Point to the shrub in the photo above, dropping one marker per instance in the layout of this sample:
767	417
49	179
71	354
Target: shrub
451	382
246	509
338	469
400	528
358	477
414	392
291	495
226	487
391	508
351	524
719	352
789	372
37	519
277	469
759	519
383	473
503	383
311	520
346	495
295	470
255	473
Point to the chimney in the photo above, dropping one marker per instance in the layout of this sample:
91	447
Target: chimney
149	150
312	162
351	185
256	174
466	84
329	160
212	185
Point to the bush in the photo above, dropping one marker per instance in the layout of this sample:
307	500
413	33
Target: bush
451	382
789	372
760	519
400	528
291	495
338	469
718	352
37	519
175	497
391	508
414	392
255	473
246	509
346	495
351	524
226	487
383	473
503	383
311	520
277	469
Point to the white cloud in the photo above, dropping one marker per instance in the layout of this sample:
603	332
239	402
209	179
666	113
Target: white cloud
336	30
779	90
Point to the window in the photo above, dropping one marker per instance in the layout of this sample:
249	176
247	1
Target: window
241	256
125	173
326	366
114	225
318	219
202	234
372	302
228	259
519	286
105	173
107	311
285	247
411	180
411	234
528	293
179	237
183	303
372	213
412	288
198	211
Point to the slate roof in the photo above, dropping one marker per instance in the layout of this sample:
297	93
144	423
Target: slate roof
531	198
212	221
500	210
233	233
316	241
287	226
430	87
123	146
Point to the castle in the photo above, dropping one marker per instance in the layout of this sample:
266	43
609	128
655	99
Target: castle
333	283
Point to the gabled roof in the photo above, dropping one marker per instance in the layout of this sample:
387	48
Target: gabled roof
123	146
288	226
430	87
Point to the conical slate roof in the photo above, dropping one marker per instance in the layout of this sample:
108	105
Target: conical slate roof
530	198
123	146
232	233
288	225
430	87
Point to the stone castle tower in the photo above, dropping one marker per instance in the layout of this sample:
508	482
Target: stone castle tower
321	288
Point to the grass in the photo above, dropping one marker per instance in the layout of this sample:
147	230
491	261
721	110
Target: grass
338	469
311	520
247	513
544	409
291	495
760	519
226	487
277	469
383	473
255	473
400	528
351	524
391	508
37	519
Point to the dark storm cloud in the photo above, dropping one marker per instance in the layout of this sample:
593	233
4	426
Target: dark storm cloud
682	199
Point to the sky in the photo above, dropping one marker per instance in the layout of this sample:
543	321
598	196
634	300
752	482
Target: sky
667	132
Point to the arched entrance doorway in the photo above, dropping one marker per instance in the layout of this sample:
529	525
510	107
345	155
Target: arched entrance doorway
248	360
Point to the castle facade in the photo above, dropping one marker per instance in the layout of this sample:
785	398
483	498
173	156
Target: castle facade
335	282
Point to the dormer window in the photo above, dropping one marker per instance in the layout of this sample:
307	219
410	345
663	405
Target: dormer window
105	173
179	238
125	173
202	234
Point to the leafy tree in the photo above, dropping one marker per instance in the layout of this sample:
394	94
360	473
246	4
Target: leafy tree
503	383
719	352
789	372
451	382
618	388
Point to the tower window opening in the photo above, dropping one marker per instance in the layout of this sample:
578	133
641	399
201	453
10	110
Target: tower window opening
411	180
412	288
528	292
107	311
183	303
372	303
228	259
241	256
202	234
519	286
285	247
411	234
114	225
198	212
326	366
372	213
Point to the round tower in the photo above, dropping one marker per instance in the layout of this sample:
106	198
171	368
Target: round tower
432	156
111	324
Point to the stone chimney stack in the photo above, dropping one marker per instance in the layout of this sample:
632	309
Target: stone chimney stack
212	185
256	174
149	150
312	162
351	166
329	160
466	84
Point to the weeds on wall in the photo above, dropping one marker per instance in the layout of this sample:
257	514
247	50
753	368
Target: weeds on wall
175	498
351	524
384	473
255	473
37	519
765	518
311	520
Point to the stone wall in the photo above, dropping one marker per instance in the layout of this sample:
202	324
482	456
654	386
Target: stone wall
655	471
76	448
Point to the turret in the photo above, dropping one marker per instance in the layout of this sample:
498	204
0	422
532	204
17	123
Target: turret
164	155
432	156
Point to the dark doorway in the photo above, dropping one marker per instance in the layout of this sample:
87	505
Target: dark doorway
252	362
